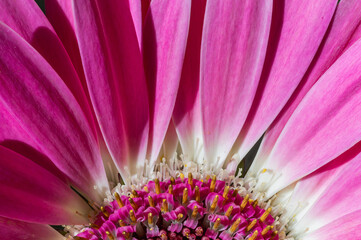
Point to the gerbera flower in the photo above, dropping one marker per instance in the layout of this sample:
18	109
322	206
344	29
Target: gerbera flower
129	119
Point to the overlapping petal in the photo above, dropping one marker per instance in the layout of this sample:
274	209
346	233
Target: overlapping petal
164	43
337	39
294	41
234	45
45	108
12	229
29	192
114	73
318	132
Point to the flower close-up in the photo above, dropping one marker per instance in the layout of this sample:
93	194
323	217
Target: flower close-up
180	119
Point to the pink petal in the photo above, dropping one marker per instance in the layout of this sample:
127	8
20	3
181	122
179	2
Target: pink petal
135	7
170	143
115	76
294	40
44	107
16	230
345	227
26	18
164	41
340	192
187	112
336	41
234	44
28	192
324	125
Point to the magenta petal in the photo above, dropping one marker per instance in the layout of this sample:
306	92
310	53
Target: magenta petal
317	132
16	230
164	40
336	41
114	71
187	112
29	22
335	190
234	45
35	95
345	227
295	37
28	192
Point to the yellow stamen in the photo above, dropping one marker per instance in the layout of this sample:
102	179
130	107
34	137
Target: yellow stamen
198	194
126	235
170	189
104	211
132	216
121	223
185	195
181	175
234	226
251	225
235	192
119	200
265	215
244	202
229	211
274	234
135	194
266	230
157	186
133	204
190	179
214	203
151	201
216	224
146	189
264	170
93	225
172	181
110	236
165	205
213	183
179	216
150	219
195	211
225	192
255	203
208	177
254	235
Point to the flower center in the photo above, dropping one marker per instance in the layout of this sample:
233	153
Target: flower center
183	208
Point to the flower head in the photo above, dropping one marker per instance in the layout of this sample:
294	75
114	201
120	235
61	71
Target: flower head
139	119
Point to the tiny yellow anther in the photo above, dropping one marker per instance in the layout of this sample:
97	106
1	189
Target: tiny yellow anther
181	175
214	203
104	211
133	204
132	216
229	211
251	225
179	216
213	183
265	215
266	230
185	195
165	205
170	189
244	202
197	193
121	223
146	189
190	179
234	226
135	194
225	192
110	236
93	225
157	186
150	219
151	201
216	224
126	234
119	200
255	203
172	180
235	193
195	211
264	170
254	235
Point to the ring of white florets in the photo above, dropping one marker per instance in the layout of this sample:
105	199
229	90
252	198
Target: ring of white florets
184	200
